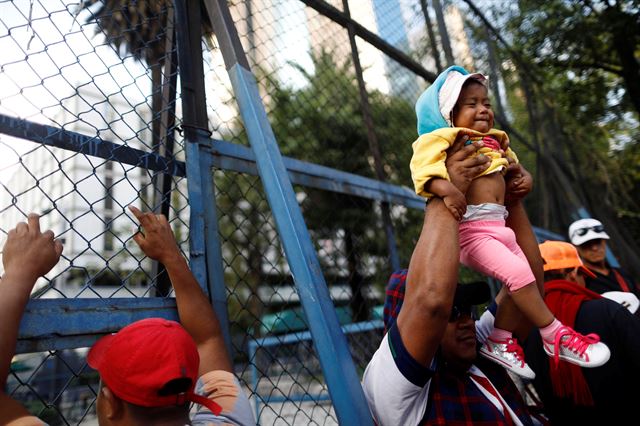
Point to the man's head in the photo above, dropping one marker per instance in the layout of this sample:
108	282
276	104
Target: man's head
459	342
589	237
561	261
458	345
147	369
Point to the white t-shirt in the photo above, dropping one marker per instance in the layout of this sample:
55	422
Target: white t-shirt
397	386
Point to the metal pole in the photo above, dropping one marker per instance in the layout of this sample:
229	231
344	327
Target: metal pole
204	245
374	146
162	181
330	343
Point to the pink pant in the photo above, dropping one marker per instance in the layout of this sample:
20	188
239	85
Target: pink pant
489	247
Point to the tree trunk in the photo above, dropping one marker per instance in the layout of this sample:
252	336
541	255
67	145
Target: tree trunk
444	35
630	67
435	52
359	304
496	73
255	276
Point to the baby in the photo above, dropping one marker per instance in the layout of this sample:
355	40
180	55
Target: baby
457	102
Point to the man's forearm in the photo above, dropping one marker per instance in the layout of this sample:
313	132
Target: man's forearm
431	284
14	296
197	316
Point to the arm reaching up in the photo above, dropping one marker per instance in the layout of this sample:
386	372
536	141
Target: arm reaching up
194	308
433	269
27	255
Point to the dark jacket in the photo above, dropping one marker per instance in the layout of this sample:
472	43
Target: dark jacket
613	385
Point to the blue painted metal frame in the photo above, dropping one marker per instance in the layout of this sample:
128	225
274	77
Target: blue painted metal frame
206	257
330	343
285	339
543	235
94	146
240	158
224	155
50	324
212	153
215	264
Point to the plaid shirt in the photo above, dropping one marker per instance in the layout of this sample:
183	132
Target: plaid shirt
394	297
455	400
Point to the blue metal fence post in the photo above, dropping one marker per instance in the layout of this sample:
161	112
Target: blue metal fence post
215	266
330	343
206	258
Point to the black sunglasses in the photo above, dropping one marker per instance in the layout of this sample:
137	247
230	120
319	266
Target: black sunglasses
458	311
580	232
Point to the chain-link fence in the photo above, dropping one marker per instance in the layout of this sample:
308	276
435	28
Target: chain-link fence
91	121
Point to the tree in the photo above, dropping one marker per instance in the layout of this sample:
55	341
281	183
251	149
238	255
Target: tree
576	119
144	30
320	121
596	39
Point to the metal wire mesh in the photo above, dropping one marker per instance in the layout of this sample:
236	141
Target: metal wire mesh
57	386
66	73
105	72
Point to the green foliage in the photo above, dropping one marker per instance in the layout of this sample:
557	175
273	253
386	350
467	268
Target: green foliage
323	123
597	41
572	74
319	121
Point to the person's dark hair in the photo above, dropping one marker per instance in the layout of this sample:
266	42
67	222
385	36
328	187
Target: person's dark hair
471	81
150	415
556	274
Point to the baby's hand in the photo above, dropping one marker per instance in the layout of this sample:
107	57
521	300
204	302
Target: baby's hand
456	203
505	144
519	184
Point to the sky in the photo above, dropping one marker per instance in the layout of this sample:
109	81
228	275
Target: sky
46	58
47	53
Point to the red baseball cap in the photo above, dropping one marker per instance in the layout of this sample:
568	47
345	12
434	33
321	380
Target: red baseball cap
139	362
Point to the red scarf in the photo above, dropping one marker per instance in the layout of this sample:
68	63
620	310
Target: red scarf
564	299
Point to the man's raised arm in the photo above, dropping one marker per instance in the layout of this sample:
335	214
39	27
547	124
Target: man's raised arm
27	255
433	270
194	308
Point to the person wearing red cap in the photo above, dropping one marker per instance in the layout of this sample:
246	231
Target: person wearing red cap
150	371
571	394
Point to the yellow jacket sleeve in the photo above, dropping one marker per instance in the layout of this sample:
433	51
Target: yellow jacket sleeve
430	155
428	160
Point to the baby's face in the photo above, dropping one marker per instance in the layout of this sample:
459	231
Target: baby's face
473	109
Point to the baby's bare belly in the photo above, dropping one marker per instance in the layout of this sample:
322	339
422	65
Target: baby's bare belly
487	189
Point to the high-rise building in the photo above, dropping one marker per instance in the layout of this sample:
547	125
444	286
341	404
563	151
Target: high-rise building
391	27
82	198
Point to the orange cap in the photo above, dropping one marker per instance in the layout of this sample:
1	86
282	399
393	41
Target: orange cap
561	255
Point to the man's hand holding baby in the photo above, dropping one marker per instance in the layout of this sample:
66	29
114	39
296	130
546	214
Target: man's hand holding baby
462	166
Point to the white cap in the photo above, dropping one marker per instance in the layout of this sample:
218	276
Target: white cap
450	91
626	299
584	230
